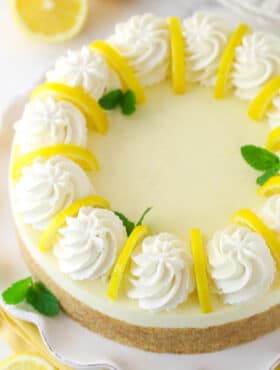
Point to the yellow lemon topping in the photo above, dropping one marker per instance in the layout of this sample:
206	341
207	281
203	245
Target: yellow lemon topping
48	235
200	271
137	235
271	187
121	67
177	55
95	115
78	154
25	361
50	20
262	101
247	218
227	59
273	140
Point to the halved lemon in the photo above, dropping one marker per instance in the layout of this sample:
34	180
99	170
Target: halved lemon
46	239
121	67
25	361
200	270
271	187
273	140
249	219
78	154
177	55
227	59
261	103
50	20
96	117
137	235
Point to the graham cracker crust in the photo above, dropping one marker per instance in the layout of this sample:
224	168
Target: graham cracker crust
160	340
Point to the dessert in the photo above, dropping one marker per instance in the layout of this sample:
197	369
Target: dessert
155	117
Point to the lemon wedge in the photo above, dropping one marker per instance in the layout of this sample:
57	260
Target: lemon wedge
95	115
273	140
271	187
177	55
227	59
122	68
78	154
247	218
48	235
137	235
50	20
262	101
200	270
25	361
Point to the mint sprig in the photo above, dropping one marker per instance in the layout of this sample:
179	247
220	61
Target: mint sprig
115	98
35	293
130	225
262	160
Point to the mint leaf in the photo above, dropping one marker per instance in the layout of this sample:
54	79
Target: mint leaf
42	299
128	103
16	293
259	158
268	174
111	100
147	210
129	225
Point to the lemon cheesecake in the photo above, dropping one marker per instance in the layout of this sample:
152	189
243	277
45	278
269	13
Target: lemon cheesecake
156	118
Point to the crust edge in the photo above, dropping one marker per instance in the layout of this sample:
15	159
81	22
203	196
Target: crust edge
159	340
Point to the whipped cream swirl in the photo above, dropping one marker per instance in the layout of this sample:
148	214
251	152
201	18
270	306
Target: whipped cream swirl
85	68
273	115
270	212
90	243
49	122
163	273
206	37
257	60
240	264
47	187
144	41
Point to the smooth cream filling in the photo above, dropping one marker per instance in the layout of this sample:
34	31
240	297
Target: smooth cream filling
181	155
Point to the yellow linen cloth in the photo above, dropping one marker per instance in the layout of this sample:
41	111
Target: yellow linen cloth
23	336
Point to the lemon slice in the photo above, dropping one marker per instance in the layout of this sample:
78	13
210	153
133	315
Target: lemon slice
25	361
200	270
48	235
247	218
177	55
137	235
227	59
50	20
273	140
95	115
121	67
271	187
262	101
80	155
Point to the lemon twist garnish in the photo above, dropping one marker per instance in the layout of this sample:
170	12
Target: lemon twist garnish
273	140
27	360
49	21
177	55
262	101
95	115
227	59
121	67
271	187
47	237
78	154
137	235
247	218
200	270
